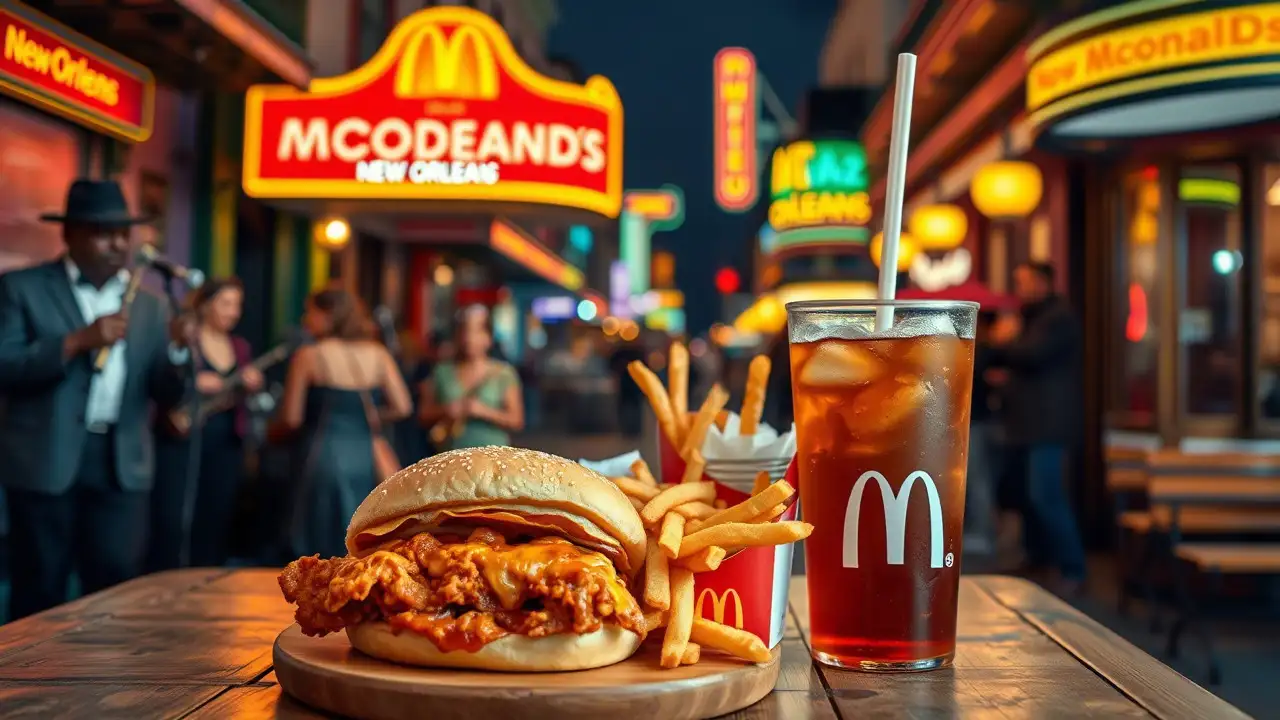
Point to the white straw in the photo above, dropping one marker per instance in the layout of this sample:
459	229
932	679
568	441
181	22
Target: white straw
895	186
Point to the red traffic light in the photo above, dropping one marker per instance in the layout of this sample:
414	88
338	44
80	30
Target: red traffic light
727	281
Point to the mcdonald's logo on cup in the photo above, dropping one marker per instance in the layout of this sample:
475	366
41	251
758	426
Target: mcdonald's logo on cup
445	110
718	603
895	519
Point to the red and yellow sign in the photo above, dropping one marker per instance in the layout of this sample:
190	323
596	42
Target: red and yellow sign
58	70
1229	35
737	179
446	110
528	252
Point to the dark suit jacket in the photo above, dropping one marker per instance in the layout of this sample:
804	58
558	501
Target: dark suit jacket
1042	401
43	398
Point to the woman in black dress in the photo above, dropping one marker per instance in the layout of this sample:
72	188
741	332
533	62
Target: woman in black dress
200	465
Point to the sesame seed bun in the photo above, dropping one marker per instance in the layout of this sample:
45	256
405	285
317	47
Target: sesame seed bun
509	489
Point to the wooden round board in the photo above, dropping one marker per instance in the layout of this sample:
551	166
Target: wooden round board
327	673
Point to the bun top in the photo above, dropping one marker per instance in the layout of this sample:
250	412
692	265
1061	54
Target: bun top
504	488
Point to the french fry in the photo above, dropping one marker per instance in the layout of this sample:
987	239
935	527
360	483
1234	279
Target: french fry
694	466
711	406
680	621
671	533
636	488
762	482
735	535
695	510
636	502
678	383
654	620
705	560
722	419
640	469
721	504
678	495
738	643
747	509
753	398
692	653
771	514
657	577
652	388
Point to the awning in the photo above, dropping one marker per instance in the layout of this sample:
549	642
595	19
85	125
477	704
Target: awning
214	44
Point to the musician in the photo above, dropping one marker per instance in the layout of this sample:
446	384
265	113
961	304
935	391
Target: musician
76	446
211	477
475	399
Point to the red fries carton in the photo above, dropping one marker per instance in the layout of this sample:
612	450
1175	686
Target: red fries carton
749	589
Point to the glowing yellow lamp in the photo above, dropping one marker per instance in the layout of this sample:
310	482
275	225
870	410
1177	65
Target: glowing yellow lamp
1008	189
333	233
907	249
939	227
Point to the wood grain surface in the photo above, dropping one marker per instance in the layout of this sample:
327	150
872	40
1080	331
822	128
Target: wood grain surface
198	644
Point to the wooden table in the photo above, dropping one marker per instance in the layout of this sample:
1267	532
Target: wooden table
197	644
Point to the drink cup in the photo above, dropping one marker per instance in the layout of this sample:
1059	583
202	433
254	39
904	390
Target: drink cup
882	422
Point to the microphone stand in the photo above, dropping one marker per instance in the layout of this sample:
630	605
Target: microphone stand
191	473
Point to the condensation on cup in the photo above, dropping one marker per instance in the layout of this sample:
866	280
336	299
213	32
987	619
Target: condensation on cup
882	422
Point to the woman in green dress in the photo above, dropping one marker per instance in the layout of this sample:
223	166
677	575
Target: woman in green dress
475	400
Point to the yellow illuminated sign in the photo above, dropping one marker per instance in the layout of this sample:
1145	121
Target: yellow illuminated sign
526	251
1058	71
718	606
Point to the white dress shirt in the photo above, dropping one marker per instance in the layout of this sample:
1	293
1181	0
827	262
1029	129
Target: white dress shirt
106	389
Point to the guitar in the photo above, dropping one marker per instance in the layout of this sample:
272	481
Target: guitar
182	418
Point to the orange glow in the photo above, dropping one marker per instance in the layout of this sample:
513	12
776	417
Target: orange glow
517	246
651	204
1135	329
737	180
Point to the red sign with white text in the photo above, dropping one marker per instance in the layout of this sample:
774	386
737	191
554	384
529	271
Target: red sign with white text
60	71
737	178
446	110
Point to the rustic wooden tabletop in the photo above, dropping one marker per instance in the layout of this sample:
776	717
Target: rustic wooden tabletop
197	644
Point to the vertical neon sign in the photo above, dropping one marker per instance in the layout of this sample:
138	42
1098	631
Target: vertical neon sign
736	177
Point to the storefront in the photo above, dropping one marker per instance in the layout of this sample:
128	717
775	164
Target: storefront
449	145
66	96
1168	114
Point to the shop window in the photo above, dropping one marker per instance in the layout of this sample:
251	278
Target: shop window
1209	318
1134	383
1269	329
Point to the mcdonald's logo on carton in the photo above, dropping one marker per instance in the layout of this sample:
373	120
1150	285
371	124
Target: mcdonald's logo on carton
446	110
718	606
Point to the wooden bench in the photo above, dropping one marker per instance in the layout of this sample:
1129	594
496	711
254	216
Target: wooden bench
1232	558
1197	520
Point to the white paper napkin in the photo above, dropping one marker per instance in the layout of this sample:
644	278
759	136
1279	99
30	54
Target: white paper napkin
765	444
619	466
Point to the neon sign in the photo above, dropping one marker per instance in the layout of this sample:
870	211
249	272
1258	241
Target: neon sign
446	110
737	185
819	182
528	252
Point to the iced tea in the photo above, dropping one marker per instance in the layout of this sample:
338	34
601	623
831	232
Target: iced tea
883	431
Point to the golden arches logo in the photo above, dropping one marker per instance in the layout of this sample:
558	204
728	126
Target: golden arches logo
718	605
460	65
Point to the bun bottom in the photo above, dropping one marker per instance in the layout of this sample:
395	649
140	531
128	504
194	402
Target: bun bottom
512	653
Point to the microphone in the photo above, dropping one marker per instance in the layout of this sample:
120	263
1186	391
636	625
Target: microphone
148	255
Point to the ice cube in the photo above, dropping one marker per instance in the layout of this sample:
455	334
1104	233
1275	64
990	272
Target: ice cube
913	326
881	408
837	364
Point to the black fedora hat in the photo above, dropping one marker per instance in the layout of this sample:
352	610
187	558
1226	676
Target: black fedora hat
96	202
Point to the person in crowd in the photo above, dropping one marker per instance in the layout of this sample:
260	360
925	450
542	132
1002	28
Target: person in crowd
201	465
475	400
1043	417
76	444
980	487
630	398
339	394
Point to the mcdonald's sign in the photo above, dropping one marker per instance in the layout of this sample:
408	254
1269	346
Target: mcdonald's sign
446	110
718	603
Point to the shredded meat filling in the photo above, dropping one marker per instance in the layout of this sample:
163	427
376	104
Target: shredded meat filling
463	595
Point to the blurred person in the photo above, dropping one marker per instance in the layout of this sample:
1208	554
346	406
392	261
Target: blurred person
980	487
630	398
339	395
76	445
211	479
1043	417
475	400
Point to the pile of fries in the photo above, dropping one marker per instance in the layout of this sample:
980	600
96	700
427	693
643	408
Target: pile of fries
688	535
687	431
